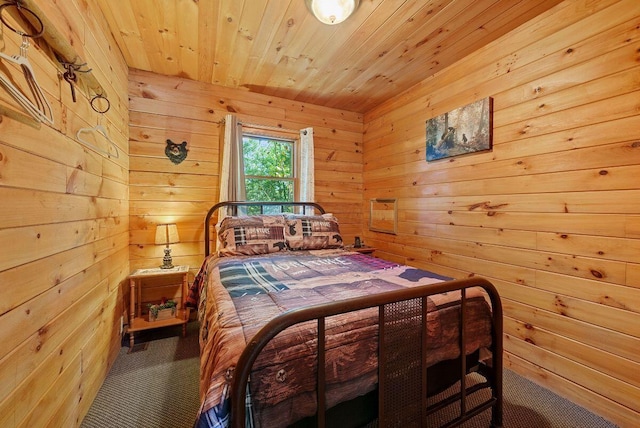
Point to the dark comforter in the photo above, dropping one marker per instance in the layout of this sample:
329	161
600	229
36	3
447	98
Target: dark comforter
236	296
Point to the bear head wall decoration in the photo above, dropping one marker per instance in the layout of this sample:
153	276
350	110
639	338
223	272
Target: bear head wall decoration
176	152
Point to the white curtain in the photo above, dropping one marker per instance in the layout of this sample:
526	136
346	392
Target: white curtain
232	166
307	176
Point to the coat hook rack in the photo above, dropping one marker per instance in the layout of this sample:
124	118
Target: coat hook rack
64	52
30	12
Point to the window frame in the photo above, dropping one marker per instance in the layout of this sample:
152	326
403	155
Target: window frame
294	140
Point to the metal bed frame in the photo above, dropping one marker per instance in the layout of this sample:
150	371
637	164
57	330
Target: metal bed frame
403	387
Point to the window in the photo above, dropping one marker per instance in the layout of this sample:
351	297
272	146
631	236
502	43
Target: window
269	168
279	163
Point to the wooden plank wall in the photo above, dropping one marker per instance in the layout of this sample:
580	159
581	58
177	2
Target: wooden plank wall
183	110
552	214
64	222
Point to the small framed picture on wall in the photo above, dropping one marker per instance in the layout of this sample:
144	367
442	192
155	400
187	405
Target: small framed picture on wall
383	215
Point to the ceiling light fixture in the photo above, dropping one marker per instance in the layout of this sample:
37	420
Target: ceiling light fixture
332	12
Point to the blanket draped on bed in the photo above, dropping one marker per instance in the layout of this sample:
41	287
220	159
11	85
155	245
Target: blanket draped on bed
236	296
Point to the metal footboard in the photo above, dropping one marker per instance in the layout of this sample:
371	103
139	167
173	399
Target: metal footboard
402	371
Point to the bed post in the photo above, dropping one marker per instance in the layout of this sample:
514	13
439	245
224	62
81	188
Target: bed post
496	351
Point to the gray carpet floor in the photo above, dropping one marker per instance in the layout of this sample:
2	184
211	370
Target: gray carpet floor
157	386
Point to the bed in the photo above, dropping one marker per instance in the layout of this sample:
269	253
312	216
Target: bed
296	331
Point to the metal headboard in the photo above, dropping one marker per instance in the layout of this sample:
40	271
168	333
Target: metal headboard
234	205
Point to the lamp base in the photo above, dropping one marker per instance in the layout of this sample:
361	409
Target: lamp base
167	261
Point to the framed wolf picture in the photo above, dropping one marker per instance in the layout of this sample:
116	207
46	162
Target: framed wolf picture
464	130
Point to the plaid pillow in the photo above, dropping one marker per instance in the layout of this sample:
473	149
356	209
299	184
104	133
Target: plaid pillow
304	232
251	235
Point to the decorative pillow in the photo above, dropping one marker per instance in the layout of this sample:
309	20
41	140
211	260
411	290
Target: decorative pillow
251	235
312	232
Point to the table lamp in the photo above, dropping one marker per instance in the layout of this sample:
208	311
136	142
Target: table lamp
167	234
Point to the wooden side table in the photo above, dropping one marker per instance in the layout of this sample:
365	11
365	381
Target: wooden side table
158	283
363	250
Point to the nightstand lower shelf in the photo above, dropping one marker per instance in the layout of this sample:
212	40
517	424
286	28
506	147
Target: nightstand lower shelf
141	324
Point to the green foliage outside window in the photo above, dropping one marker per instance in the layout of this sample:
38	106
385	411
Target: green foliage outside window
268	169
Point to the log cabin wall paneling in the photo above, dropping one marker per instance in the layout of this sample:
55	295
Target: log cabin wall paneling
552	214
64	223
184	110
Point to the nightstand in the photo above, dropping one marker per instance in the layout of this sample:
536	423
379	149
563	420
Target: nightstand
363	250
157	283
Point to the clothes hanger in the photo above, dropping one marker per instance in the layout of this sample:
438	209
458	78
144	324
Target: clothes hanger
98	129
41	109
24	102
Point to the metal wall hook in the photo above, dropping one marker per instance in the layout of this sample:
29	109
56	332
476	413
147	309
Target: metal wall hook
94	100
72	79
73	67
20	8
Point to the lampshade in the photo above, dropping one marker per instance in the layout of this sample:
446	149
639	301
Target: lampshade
332	12
167	234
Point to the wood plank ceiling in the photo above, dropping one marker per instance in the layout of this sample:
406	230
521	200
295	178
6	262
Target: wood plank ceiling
277	48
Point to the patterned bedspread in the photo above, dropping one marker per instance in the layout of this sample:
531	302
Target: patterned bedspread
237	295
